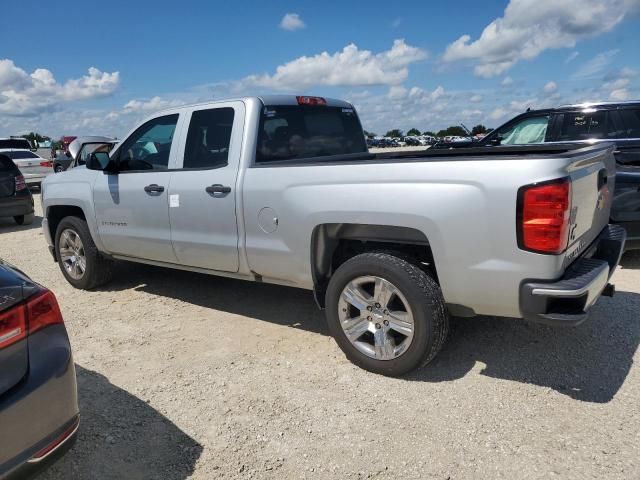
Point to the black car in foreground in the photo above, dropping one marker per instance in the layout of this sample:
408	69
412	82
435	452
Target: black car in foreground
38	395
617	122
15	198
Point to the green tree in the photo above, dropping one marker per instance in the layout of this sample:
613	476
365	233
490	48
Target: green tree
478	129
429	133
395	133
369	134
454	131
414	132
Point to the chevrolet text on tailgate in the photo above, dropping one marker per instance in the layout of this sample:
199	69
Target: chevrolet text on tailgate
282	189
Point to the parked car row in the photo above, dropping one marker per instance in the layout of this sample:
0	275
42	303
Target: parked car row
593	123
386	142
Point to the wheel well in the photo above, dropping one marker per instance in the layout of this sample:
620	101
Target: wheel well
57	212
333	244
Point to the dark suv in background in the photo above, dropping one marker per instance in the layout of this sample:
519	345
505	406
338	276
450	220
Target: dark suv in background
588	122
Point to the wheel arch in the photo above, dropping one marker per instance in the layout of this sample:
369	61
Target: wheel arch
334	243
55	214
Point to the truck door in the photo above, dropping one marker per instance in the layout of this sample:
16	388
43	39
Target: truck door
202	193
132	207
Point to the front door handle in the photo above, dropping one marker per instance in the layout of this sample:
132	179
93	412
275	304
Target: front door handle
154	188
217	188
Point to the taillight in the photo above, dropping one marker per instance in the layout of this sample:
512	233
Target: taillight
302	100
543	216
42	311
20	183
13	326
46	163
24	319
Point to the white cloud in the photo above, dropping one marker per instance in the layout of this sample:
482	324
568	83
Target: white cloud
152	105
506	81
396	23
550	87
348	67
497	113
291	22
572	56
476	98
28	94
596	65
529	27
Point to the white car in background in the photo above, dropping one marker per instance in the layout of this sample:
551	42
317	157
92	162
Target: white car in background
33	167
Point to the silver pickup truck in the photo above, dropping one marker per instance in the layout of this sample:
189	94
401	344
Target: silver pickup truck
282	189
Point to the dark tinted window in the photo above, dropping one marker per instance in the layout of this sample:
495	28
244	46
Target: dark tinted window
6	165
583	126
631	122
208	138
20	154
149	146
15	143
308	131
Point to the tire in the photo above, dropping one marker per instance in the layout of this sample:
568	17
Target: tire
98	270
424	303
24	219
58	168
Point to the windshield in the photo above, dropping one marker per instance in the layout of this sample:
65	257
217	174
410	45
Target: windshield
20	154
288	132
528	131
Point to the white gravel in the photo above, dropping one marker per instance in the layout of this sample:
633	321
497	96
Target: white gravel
188	376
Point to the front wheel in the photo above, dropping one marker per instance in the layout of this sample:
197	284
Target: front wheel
80	261
386	313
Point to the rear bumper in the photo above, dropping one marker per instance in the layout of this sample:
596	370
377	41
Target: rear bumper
567	300
42	410
18	204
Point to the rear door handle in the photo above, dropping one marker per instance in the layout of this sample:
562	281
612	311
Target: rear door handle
154	188
217	188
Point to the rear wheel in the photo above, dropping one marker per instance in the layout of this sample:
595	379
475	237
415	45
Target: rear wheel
24	219
80	261
58	168
387	314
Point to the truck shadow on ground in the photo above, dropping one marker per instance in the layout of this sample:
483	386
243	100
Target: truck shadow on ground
588	363
8	225
121	436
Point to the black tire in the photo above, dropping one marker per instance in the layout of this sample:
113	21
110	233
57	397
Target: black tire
431	320
99	269
24	219
58	168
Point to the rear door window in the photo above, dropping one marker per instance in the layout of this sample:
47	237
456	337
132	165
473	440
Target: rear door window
208	138
307	131
583	126
631	122
530	130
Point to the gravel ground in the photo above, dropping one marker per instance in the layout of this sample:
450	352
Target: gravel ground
189	376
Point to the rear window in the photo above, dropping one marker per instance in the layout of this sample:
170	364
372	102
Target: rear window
15	143
289	132
20	155
6	164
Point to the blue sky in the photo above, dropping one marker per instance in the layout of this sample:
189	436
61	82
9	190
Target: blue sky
72	71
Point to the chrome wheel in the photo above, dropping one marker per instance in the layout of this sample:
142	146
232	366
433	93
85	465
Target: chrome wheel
376	317
72	254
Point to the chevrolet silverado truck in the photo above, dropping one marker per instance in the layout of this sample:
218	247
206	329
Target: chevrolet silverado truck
282	189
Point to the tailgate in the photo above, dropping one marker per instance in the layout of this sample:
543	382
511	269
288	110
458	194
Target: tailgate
592	184
7	184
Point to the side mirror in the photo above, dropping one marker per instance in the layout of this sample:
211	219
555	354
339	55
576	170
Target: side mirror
497	140
102	162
